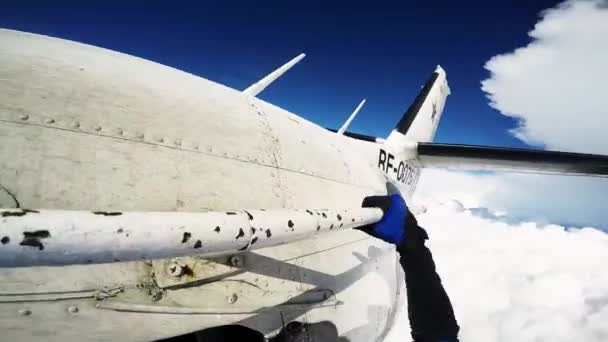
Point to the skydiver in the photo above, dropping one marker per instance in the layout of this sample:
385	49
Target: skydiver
429	309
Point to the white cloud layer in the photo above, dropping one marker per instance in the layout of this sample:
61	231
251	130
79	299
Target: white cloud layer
556	85
569	201
518	282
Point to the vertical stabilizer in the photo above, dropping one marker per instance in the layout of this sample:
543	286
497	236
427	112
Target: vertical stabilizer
420	121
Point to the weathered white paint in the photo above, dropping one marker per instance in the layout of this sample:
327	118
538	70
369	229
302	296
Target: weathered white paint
61	237
84	128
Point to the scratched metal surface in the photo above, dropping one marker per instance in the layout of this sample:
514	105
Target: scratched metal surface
87	128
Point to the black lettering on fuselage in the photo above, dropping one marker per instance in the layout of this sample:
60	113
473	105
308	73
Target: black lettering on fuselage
389	165
401	170
382	160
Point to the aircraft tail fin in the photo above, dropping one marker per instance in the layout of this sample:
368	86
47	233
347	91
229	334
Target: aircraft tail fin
420	121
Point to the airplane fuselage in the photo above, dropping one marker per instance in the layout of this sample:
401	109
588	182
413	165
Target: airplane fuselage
84	128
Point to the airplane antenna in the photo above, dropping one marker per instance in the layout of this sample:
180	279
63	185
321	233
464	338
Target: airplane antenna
260	85
350	118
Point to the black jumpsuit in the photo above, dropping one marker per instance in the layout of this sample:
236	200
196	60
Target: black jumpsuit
429	308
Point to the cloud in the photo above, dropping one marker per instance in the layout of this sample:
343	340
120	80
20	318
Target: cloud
555	86
569	201
520	282
517	281
504	245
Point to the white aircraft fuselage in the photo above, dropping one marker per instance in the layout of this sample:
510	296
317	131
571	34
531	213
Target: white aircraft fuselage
84	128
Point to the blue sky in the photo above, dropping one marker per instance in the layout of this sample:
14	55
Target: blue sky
382	53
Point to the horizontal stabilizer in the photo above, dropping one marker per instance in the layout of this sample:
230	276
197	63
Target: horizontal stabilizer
358	136
511	159
260	85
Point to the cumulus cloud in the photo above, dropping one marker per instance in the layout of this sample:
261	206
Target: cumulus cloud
555	86
566	200
519	282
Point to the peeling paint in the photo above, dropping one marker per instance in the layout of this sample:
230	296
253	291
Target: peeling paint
241	233
290	224
186	237
33	238
198	244
309	212
230	213
217	229
12	213
21	212
339	217
5	240
268	233
120	230
249	215
255	239
107	213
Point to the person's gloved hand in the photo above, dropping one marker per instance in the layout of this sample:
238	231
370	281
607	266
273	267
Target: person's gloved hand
397	225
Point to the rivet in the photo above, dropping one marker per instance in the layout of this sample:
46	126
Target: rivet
232	299
119	131
73	309
24	116
156	294
49	121
140	135
161	140
24	312
178	142
97	128
196	147
175	270
235	261
76	124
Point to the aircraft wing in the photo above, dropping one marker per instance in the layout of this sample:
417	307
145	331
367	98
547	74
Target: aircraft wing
511	159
